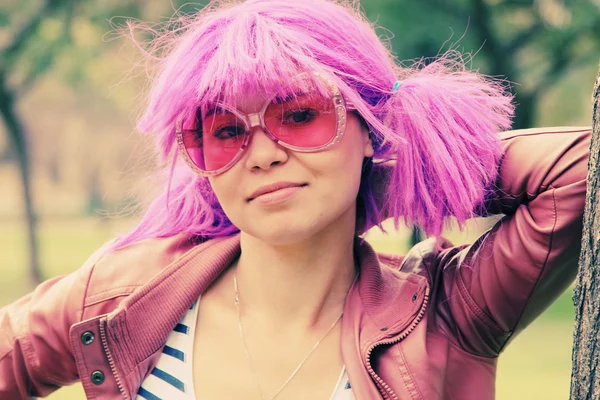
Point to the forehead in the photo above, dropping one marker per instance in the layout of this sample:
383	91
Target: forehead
254	103
251	98
248	104
251	103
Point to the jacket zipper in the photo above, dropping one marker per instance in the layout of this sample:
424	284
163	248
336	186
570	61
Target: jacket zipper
384	388
111	362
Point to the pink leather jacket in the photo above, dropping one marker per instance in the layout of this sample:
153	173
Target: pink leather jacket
426	325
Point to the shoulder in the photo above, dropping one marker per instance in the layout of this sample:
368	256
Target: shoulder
510	134
118	273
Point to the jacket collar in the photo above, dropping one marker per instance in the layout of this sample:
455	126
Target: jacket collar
390	298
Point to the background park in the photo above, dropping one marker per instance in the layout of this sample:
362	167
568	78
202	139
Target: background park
73	168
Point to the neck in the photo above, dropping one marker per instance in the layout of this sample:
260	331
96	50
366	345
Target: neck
300	286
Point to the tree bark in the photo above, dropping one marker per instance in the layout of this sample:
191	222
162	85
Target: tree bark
585	377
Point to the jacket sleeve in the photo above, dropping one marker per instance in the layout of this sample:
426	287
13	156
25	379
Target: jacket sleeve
492	289
35	352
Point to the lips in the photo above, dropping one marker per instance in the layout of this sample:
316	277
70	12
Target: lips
273	187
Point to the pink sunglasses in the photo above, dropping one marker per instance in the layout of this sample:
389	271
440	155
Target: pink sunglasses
302	118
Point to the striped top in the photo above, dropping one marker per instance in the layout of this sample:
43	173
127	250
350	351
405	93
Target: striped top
172	378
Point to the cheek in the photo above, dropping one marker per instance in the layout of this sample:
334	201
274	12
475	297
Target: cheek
341	174
225	189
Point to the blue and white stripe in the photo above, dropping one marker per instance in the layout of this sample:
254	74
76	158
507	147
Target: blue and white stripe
342	389
172	378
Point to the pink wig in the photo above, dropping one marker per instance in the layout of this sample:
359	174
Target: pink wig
440	125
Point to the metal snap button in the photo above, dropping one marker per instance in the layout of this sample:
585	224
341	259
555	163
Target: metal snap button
97	377
87	337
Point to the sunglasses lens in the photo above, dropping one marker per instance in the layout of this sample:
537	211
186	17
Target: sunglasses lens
216	140
304	118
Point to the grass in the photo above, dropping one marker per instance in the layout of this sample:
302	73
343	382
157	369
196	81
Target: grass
537	365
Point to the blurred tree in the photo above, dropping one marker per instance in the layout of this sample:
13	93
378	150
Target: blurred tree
17	75
34	37
533	43
585	383
37	35
536	43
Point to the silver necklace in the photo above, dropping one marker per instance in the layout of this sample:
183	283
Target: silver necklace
262	394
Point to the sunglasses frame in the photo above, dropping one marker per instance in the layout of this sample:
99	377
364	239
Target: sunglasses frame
257	119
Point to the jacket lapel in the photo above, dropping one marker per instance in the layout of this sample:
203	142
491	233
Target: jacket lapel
138	328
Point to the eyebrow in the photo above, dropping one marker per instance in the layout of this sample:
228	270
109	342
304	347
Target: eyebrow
213	110
287	97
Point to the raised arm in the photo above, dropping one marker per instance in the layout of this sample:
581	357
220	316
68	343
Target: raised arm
494	288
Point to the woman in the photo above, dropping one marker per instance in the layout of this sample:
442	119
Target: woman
248	278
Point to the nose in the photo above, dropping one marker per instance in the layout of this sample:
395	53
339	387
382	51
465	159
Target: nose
263	152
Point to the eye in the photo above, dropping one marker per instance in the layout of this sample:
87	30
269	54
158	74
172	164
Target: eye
299	117
229	132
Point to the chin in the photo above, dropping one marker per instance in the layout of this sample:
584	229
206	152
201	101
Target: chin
283	235
284	231
298	225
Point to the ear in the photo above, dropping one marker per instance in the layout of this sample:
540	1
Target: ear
365	134
367	142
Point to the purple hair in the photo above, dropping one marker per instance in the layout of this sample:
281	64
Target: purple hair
440	126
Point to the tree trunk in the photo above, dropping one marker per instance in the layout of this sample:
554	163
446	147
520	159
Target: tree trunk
16	134
585	384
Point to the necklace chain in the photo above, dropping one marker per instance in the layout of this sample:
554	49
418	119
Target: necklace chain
262	394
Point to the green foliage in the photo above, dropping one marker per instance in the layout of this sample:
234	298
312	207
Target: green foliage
418	29
531	43
4	19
